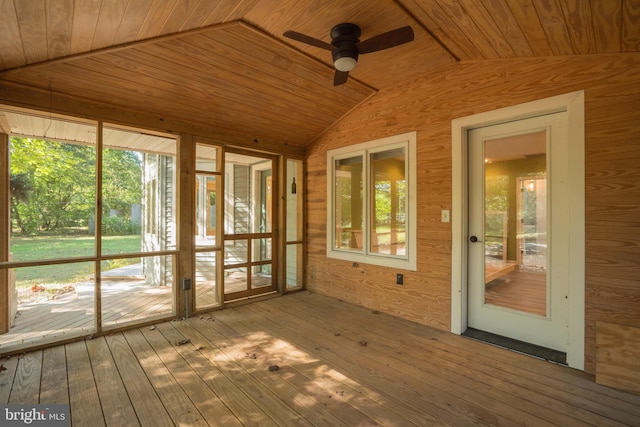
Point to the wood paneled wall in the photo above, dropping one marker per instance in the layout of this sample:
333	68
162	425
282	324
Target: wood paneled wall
427	105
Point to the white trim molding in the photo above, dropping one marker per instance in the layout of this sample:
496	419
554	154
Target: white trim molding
573	104
406	141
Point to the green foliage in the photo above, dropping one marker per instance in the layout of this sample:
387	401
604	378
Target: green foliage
61	182
53	186
496	203
344	196
118	226
121	181
20	186
383	202
386	206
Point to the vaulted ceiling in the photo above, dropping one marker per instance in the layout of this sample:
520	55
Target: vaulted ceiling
225	64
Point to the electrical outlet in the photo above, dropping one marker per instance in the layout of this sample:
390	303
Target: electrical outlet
399	279
186	284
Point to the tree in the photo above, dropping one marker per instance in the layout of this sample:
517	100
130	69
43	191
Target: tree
382	203
121	180
53	183
61	179
20	187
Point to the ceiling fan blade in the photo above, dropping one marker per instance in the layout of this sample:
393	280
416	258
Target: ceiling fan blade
308	40
386	40
340	77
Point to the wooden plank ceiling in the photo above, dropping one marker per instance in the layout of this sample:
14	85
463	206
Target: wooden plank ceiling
225	65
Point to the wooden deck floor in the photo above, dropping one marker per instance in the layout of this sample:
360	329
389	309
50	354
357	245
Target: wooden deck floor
339	364
520	290
73	314
124	301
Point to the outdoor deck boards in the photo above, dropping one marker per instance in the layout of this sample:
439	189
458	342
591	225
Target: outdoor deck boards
73	313
338	364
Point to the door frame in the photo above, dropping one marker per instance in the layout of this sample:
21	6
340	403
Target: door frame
228	238
573	104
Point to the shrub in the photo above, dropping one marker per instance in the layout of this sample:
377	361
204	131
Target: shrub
118	226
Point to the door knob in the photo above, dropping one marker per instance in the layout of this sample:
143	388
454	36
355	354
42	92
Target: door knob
474	239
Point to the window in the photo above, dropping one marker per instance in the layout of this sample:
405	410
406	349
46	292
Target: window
371	209
89	240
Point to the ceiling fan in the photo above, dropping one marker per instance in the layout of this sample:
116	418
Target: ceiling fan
346	46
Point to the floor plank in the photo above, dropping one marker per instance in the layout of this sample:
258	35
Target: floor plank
113	395
204	399
54	388
173	397
8	369
26	386
247	412
213	347
268	351
429	395
542	402
337	364
244	350
353	404
85	402
149	409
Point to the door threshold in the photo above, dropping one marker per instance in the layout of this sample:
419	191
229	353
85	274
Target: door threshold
544	353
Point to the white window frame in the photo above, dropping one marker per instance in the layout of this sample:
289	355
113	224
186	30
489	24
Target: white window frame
409	260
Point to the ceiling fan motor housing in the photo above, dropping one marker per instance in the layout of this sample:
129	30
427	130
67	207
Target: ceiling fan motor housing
344	38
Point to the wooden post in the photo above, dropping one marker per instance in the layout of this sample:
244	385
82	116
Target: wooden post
185	202
6	288
97	266
280	241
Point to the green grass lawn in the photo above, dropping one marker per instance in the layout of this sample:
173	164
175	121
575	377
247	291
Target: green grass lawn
54	247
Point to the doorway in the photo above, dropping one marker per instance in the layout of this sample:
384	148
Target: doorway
249	264
498	233
517	266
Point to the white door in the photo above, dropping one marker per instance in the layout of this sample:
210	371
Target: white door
518	241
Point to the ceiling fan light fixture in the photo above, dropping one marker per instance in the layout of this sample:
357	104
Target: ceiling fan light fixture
345	63
345	45
345	56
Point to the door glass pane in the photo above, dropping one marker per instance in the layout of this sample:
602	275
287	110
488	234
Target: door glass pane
294	266
235	280
348	203
236	252
260	276
388	202
515	236
265	202
206	283
261	249
207	195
